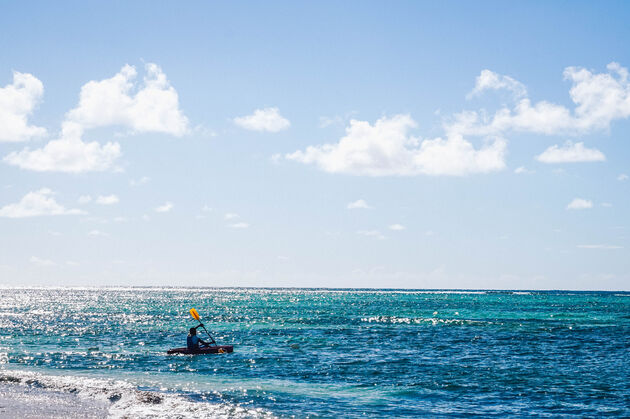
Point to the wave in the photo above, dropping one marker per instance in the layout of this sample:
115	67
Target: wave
419	320
126	400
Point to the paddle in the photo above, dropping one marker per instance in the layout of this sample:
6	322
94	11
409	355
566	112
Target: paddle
196	316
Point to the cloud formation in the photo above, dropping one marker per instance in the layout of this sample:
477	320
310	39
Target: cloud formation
489	80
387	149
150	106
139	182
570	153
239	225
36	203
579	203
165	208
521	170
68	154
599	99
267	119
358	204
107	200
41	262
17	101
371	233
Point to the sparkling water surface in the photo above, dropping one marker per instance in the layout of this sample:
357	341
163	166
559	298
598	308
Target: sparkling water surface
349	353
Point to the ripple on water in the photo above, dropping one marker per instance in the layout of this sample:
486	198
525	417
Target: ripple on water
324	352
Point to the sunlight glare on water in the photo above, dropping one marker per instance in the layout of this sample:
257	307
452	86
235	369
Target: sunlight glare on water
324	352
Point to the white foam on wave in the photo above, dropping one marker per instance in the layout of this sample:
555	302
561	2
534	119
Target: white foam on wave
126	400
418	320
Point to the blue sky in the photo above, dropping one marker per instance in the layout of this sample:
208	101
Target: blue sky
363	144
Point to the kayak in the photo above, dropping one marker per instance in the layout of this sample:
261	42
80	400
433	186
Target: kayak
203	350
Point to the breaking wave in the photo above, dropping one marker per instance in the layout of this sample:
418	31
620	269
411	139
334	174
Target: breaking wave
126	400
419	320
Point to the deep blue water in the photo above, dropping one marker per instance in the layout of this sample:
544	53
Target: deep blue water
326	352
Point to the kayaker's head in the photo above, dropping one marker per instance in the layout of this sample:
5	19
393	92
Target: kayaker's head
193	331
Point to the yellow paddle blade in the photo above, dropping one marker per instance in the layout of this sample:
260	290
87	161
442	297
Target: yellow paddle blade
194	314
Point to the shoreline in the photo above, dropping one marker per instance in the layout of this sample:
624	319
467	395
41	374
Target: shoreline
29	401
33	394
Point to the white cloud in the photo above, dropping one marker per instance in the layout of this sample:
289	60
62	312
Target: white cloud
239	225
17	101
267	119
599	99
107	200
397	227
97	233
489	80
607	205
41	262
276	158
622	177
599	246
386	149
326	121
230	216
36	203
206	208
579	203
67	154
371	233
523	170
84	199
337	120
358	204
165	208
152	106
118	101
570	153
139	182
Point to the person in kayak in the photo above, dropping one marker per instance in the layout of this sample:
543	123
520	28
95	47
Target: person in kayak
193	341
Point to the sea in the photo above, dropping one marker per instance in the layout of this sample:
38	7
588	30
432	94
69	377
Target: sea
101	352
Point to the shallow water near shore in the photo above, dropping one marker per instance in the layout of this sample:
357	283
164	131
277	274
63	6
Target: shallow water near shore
305	352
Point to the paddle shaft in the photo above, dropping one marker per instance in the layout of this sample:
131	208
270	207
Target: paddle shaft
206	330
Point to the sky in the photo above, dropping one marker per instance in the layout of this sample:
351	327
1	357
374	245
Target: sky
407	144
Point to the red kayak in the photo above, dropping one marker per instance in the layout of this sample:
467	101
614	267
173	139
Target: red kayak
223	349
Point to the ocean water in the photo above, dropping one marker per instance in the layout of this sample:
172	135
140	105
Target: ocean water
320	353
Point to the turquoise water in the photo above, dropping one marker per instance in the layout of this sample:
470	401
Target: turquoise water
325	352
